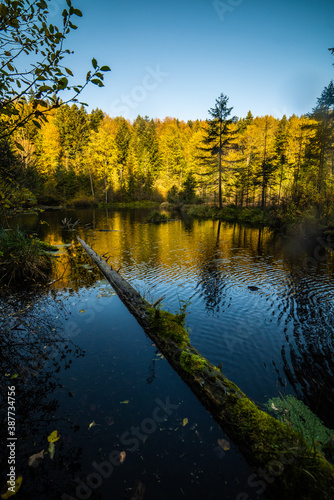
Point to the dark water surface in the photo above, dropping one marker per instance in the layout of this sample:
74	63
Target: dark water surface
260	304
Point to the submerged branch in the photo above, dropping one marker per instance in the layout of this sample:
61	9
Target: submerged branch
286	464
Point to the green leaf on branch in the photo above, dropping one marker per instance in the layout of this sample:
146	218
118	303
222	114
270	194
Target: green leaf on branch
42	5
45	88
62	83
105	68
94	63
97	82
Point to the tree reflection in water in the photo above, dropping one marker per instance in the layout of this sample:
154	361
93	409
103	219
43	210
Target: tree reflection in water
300	306
32	353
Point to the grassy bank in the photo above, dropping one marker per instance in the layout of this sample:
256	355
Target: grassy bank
278	218
130	204
23	259
89	203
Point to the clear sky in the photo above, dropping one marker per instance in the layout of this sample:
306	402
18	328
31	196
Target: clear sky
175	57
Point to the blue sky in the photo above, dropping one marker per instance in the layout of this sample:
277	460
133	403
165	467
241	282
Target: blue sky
175	58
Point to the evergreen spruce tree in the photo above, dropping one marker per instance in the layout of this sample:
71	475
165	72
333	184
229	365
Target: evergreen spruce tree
219	140
281	149
323	141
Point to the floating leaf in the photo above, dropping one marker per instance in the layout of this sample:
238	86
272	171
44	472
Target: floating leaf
82	311
185	421
9	492
124	402
54	436
14	376
91	424
36	459
225	445
122	456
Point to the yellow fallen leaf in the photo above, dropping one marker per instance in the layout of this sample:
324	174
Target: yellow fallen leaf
54	436
185	421
225	445
124	402
91	424
122	456
82	311
12	490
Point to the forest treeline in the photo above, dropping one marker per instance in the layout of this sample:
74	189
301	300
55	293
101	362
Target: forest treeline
55	152
76	157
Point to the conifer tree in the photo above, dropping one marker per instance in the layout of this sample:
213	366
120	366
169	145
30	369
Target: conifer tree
281	150
219	139
324	114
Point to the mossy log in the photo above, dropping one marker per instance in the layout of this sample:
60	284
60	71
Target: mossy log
284	465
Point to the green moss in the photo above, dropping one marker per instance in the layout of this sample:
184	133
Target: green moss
169	326
192	362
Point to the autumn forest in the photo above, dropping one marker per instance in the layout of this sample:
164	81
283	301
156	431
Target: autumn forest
78	158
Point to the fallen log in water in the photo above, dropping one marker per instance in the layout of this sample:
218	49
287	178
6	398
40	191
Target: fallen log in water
285	465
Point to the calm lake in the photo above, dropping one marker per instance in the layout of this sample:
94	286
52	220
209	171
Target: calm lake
260	304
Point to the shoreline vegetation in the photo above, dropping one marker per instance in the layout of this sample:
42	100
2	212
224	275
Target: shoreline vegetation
278	217
273	449
25	259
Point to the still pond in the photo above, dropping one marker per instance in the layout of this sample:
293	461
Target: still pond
258	303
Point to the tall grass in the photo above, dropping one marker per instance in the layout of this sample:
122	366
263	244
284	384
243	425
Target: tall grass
23	259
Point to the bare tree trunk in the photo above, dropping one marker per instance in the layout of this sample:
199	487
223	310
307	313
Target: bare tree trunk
220	172
91	183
